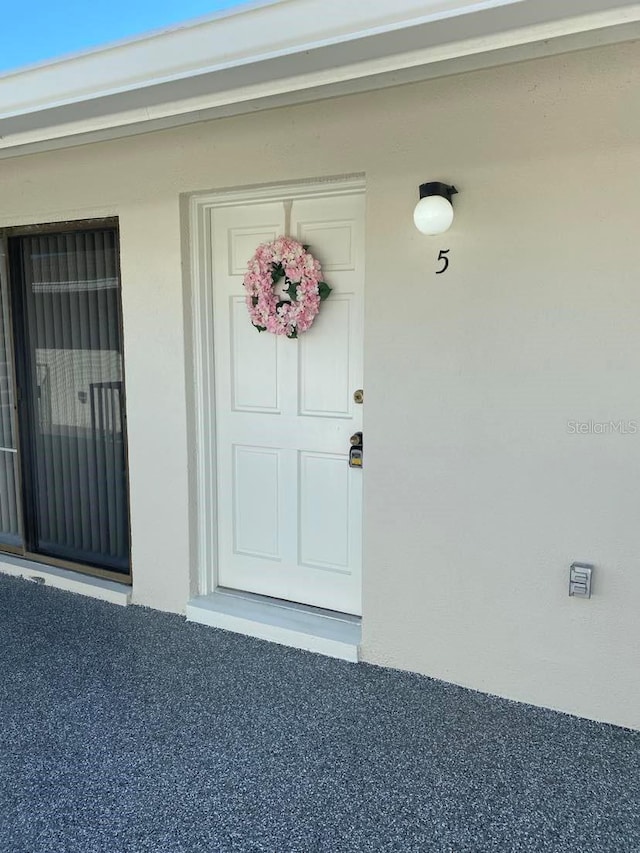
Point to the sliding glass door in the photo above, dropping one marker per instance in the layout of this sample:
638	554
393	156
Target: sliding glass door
69	369
10	527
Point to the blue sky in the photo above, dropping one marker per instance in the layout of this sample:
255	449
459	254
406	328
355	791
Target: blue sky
36	30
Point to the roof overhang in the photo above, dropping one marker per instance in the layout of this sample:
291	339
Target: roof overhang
282	52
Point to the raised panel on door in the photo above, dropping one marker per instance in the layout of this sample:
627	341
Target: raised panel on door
325	525
256	502
243	241
324	369
289	506
339	240
254	364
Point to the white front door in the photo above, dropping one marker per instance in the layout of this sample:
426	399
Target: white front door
289	505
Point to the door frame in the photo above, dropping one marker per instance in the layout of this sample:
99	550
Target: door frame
204	483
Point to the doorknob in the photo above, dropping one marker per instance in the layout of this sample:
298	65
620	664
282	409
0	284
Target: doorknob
356	439
358	396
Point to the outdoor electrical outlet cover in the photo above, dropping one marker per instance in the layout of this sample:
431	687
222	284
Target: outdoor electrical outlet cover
580	575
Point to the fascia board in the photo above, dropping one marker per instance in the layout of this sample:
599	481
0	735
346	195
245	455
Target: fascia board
259	33
248	35
139	121
368	62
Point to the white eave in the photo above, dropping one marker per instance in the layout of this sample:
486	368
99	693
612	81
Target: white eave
280	52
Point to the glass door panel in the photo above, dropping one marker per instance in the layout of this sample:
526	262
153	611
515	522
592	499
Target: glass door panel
75	461
9	504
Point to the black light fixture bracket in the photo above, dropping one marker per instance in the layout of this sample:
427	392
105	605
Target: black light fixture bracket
437	188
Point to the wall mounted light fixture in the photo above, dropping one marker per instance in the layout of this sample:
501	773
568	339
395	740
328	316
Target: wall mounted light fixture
433	214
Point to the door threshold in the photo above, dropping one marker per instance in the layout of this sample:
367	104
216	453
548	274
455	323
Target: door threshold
299	626
89	585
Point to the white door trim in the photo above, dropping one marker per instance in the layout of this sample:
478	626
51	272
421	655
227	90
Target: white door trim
200	208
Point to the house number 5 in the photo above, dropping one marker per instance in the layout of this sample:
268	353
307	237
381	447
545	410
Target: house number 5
445	261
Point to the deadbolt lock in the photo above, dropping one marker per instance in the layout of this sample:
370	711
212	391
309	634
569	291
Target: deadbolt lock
358	396
355	451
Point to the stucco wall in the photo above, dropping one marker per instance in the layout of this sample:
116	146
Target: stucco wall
477	496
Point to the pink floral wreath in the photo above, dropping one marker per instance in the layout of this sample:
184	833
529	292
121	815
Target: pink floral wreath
288	259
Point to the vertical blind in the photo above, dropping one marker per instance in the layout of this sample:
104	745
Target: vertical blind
77	489
9	517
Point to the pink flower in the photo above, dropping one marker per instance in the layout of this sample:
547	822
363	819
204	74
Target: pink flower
301	268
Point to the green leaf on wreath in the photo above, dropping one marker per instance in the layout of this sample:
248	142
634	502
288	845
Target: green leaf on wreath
293	334
281	304
306	247
277	272
292	290
254	300
260	328
323	290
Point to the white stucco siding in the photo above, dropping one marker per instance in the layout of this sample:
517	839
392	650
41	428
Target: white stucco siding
477	498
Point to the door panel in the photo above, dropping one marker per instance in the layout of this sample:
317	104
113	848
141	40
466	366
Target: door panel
324	493
10	521
324	371
256	498
289	506
252	390
67	293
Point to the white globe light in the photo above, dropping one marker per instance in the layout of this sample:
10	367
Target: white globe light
433	214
